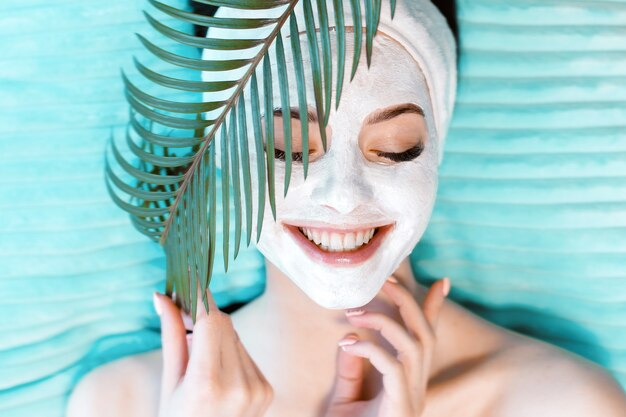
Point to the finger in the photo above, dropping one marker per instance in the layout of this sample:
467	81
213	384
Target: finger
261	390
215	353
394	378
187	321
174	343
268	387
252	370
348	376
229	350
435	299
229	356
201	312
411	313
189	341
205	359
408	348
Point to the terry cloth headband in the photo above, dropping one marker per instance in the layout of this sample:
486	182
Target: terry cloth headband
417	25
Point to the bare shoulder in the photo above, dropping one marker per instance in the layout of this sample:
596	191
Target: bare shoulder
125	387
549	381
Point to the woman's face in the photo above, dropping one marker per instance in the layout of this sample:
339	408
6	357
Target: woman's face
367	200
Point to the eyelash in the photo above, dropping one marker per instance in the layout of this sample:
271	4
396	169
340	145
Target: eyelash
408	155
295	156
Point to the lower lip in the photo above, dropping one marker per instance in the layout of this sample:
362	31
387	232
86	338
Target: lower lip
347	258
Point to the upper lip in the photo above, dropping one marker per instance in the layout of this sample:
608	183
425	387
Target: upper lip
342	227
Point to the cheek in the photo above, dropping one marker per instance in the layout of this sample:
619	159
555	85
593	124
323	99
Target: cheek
409	191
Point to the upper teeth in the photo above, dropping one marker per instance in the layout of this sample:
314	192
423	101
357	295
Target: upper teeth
337	241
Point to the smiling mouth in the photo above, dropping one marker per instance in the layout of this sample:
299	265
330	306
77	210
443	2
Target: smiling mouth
337	241
339	247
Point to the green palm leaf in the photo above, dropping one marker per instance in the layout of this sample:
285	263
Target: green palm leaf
172	192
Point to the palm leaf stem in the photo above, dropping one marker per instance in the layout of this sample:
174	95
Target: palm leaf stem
229	103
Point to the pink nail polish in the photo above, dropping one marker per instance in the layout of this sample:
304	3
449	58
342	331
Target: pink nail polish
392	279
157	303
446	286
355	312
347	341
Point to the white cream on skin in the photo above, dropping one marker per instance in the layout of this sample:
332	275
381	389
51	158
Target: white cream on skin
343	188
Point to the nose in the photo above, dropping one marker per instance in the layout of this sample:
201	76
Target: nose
343	187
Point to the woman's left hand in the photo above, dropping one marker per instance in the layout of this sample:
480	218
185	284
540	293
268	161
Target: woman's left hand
404	376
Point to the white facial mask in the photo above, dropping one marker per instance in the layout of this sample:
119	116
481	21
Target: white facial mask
345	189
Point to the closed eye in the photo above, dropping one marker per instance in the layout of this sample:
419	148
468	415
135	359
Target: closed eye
408	155
295	156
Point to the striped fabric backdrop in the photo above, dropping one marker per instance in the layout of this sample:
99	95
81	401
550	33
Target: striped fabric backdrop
530	223
76	279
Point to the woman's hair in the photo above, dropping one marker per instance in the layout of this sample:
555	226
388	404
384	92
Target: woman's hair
446	7
448	10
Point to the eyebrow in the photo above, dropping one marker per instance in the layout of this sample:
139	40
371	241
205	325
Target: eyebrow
295	114
381	116
391	112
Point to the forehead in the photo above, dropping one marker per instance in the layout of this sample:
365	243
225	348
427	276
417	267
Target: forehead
393	77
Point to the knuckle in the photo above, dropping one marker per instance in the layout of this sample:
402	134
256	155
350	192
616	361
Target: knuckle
239	393
379	321
428	338
423	337
382	322
202	390
200	381
413	350
215	391
396	367
269	398
259	393
267	395
405	297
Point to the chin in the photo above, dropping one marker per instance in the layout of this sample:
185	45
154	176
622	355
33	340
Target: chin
338	288
336	280
335	287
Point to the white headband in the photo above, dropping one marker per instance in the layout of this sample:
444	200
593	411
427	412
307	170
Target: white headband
421	29
417	25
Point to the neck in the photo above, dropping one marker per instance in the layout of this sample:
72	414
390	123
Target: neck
291	320
293	315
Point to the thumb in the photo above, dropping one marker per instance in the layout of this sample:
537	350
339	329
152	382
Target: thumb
173	341
349	374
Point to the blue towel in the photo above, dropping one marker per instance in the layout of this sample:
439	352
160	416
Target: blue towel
76	277
530	222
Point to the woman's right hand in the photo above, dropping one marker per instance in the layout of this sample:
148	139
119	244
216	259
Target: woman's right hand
217	378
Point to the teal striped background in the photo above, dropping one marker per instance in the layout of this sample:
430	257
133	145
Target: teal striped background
76	279
530	222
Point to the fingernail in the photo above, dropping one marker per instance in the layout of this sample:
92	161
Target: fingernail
355	312
189	339
392	279
347	341
157	303
446	286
